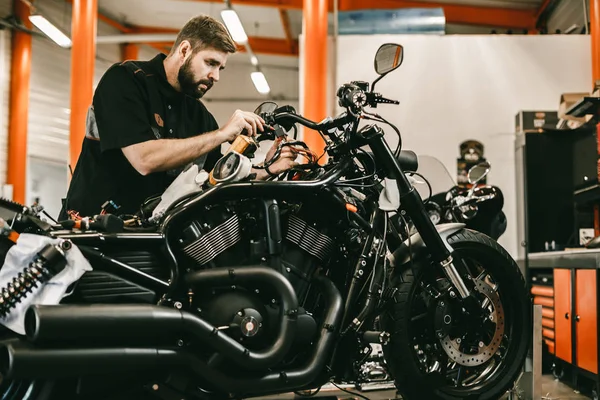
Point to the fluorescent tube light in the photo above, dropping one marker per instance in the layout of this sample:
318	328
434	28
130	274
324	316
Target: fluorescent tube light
571	29
50	30
260	82
234	26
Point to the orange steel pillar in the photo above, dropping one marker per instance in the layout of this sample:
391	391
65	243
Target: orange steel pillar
595	38
19	104
83	56
130	51
315	69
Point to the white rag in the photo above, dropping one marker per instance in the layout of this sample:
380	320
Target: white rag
389	198
18	258
184	184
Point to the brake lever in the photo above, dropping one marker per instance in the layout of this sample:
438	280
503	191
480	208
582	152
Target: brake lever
376	98
383	100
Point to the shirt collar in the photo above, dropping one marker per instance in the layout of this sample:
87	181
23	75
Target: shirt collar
157	66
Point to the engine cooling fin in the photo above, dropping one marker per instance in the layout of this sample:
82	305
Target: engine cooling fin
211	244
308	238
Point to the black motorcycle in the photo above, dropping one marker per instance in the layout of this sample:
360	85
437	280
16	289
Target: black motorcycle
478	206
236	288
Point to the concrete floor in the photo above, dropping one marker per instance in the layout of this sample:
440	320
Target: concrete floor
551	390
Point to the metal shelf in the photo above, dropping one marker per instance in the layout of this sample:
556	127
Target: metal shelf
586	106
584	258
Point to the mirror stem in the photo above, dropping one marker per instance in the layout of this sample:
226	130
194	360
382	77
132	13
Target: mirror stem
472	190
375	81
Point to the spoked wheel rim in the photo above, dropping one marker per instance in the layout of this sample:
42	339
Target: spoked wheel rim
461	354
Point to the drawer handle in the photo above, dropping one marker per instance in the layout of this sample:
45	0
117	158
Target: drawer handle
567	315
577	318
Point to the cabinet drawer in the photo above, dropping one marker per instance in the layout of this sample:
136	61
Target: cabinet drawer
586	319
562	314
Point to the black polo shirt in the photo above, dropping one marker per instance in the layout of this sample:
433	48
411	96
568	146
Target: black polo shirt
133	103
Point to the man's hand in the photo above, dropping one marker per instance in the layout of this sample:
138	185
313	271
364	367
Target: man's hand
240	121
285	161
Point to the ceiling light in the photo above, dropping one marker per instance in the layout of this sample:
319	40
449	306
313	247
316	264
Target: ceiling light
260	82
572	29
234	26
50	30
254	60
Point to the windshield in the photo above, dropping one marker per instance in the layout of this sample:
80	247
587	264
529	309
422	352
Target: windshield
436	173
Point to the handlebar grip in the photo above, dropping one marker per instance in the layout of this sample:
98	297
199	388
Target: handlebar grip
383	100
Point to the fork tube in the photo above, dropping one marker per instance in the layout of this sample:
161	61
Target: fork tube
413	204
410	199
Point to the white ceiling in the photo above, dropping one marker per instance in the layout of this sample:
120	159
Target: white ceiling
258	21
522	4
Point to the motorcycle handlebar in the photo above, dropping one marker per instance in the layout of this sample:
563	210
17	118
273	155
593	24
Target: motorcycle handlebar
324	126
295	118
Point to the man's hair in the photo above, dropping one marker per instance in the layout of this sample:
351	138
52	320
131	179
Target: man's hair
203	31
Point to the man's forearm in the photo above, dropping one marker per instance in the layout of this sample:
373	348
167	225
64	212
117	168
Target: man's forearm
166	154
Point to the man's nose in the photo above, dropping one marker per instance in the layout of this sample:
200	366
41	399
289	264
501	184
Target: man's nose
214	75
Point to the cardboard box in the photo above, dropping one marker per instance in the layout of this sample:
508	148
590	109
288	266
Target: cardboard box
535	121
568	100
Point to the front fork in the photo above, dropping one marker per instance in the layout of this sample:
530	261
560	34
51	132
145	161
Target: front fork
413	204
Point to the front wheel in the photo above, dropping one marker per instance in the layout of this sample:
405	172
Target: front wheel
437	351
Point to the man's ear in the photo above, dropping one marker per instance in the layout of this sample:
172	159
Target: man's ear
184	50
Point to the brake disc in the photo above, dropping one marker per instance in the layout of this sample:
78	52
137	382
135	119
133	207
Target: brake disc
485	351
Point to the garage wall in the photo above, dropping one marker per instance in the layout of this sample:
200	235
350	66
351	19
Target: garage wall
452	88
49	107
5	51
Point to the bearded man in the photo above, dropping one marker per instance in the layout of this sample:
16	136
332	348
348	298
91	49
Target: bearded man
147	123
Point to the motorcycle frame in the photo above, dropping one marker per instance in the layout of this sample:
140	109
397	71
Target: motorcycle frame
342	151
411	203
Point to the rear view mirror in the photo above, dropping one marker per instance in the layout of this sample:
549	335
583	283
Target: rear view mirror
389	56
478	172
266	107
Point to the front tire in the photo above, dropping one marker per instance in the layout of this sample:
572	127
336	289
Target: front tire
434	352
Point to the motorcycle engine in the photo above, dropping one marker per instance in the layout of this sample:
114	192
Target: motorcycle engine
245	233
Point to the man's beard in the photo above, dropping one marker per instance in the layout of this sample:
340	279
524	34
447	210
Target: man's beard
187	83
